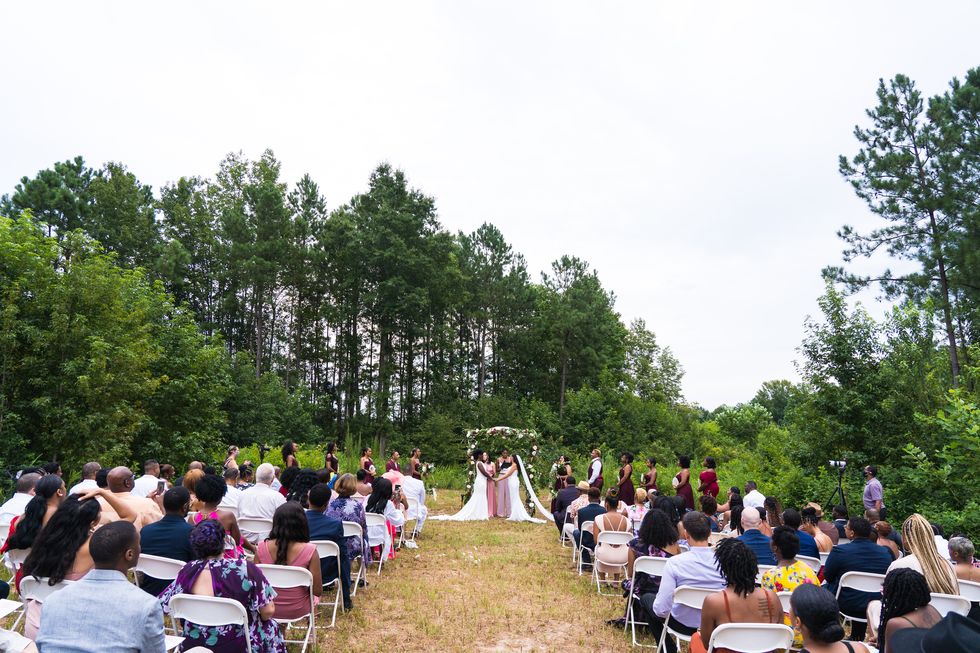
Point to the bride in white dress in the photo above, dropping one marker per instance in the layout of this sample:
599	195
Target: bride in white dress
511	477
476	508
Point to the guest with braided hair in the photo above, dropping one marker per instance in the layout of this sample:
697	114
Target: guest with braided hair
741	601
904	604
789	573
299	490
924	558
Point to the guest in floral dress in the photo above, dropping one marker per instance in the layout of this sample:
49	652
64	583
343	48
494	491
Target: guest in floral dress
230	579
789	573
346	508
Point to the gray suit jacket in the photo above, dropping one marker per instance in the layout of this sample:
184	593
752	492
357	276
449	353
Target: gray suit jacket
102	612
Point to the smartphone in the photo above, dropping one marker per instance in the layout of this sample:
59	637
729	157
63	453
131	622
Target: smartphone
161	487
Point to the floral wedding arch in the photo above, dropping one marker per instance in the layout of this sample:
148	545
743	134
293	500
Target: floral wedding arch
521	442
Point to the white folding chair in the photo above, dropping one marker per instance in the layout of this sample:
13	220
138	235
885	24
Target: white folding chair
815	563
609	538
692	597
260	527
715	538
860	581
198	649
413	509
376	520
16	558
37	589
751	638
328	549
586	528
563	535
9	607
157	567
286	577
209	611
843	540
762	570
171	642
823	557
652	567
970	590
353	529
946	603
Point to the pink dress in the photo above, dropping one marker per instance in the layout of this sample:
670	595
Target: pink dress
233	550
291	602
491	488
503	496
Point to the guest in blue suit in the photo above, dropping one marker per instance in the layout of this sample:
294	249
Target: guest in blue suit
169	537
861	554
330	529
760	544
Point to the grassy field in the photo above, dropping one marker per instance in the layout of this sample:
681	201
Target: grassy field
479	586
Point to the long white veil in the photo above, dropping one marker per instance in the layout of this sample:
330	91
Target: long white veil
530	491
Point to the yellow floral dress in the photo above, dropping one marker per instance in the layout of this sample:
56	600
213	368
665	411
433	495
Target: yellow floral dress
786	579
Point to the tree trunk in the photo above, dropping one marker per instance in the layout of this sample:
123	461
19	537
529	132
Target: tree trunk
937	247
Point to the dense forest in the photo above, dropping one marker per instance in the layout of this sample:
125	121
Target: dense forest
241	308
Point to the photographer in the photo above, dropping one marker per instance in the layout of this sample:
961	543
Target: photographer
874	495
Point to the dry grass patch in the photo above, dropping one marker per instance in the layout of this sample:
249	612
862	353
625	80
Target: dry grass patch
480	586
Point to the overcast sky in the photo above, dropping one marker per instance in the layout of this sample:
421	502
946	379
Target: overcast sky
688	151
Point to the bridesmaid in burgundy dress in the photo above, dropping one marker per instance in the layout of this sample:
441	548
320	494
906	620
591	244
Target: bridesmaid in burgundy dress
650	478
627	493
683	479
367	463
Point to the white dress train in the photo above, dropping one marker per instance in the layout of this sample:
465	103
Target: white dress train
517	510
476	508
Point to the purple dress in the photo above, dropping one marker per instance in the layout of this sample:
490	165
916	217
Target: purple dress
350	509
230	579
503	496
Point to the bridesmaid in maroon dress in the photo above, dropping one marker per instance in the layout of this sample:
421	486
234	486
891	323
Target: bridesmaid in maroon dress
683	479
650	478
627	493
330	460
709	479
415	463
367	463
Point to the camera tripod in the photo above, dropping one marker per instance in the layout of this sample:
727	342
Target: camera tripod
839	490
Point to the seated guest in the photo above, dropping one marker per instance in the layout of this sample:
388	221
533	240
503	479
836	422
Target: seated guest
789	573
814	612
299	489
211	574
232	494
364	489
102	478
811	526
773	514
104	607
860	554
330	529
754	539
638	510
61	550
414	488
48	495
346	508
588	514
146	484
808	545
961	553
752	497
563	499
169	537
696	567
883	531
89	470
657	538
726	509
942	544
613	556
23	493
289	544
259	501
839	514
873	516
190	480
245	477
583	500
383	501
741	602
167	473
709	506
121	482
905	601
827	528
210	490
53	467
286	479
923	557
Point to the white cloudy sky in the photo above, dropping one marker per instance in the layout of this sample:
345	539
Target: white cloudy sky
687	150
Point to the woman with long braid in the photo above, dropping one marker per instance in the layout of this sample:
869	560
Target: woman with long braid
904	604
924	558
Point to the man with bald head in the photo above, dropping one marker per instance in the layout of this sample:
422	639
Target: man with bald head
121	481
760	544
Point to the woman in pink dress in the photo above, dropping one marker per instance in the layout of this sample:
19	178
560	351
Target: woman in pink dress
487	469
289	544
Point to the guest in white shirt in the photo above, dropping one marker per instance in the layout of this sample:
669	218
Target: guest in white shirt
753	498
413	488
259	501
147	483
23	493
89	470
232	494
384	502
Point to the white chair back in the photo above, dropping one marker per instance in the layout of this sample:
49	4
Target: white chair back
823	557
210	611
751	638
614	538
715	538
815	563
784	598
946	603
16	557
261	527
861	581
970	590
762	570
326	549
284	577
650	565
38	589
692	597
158	566
353	529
